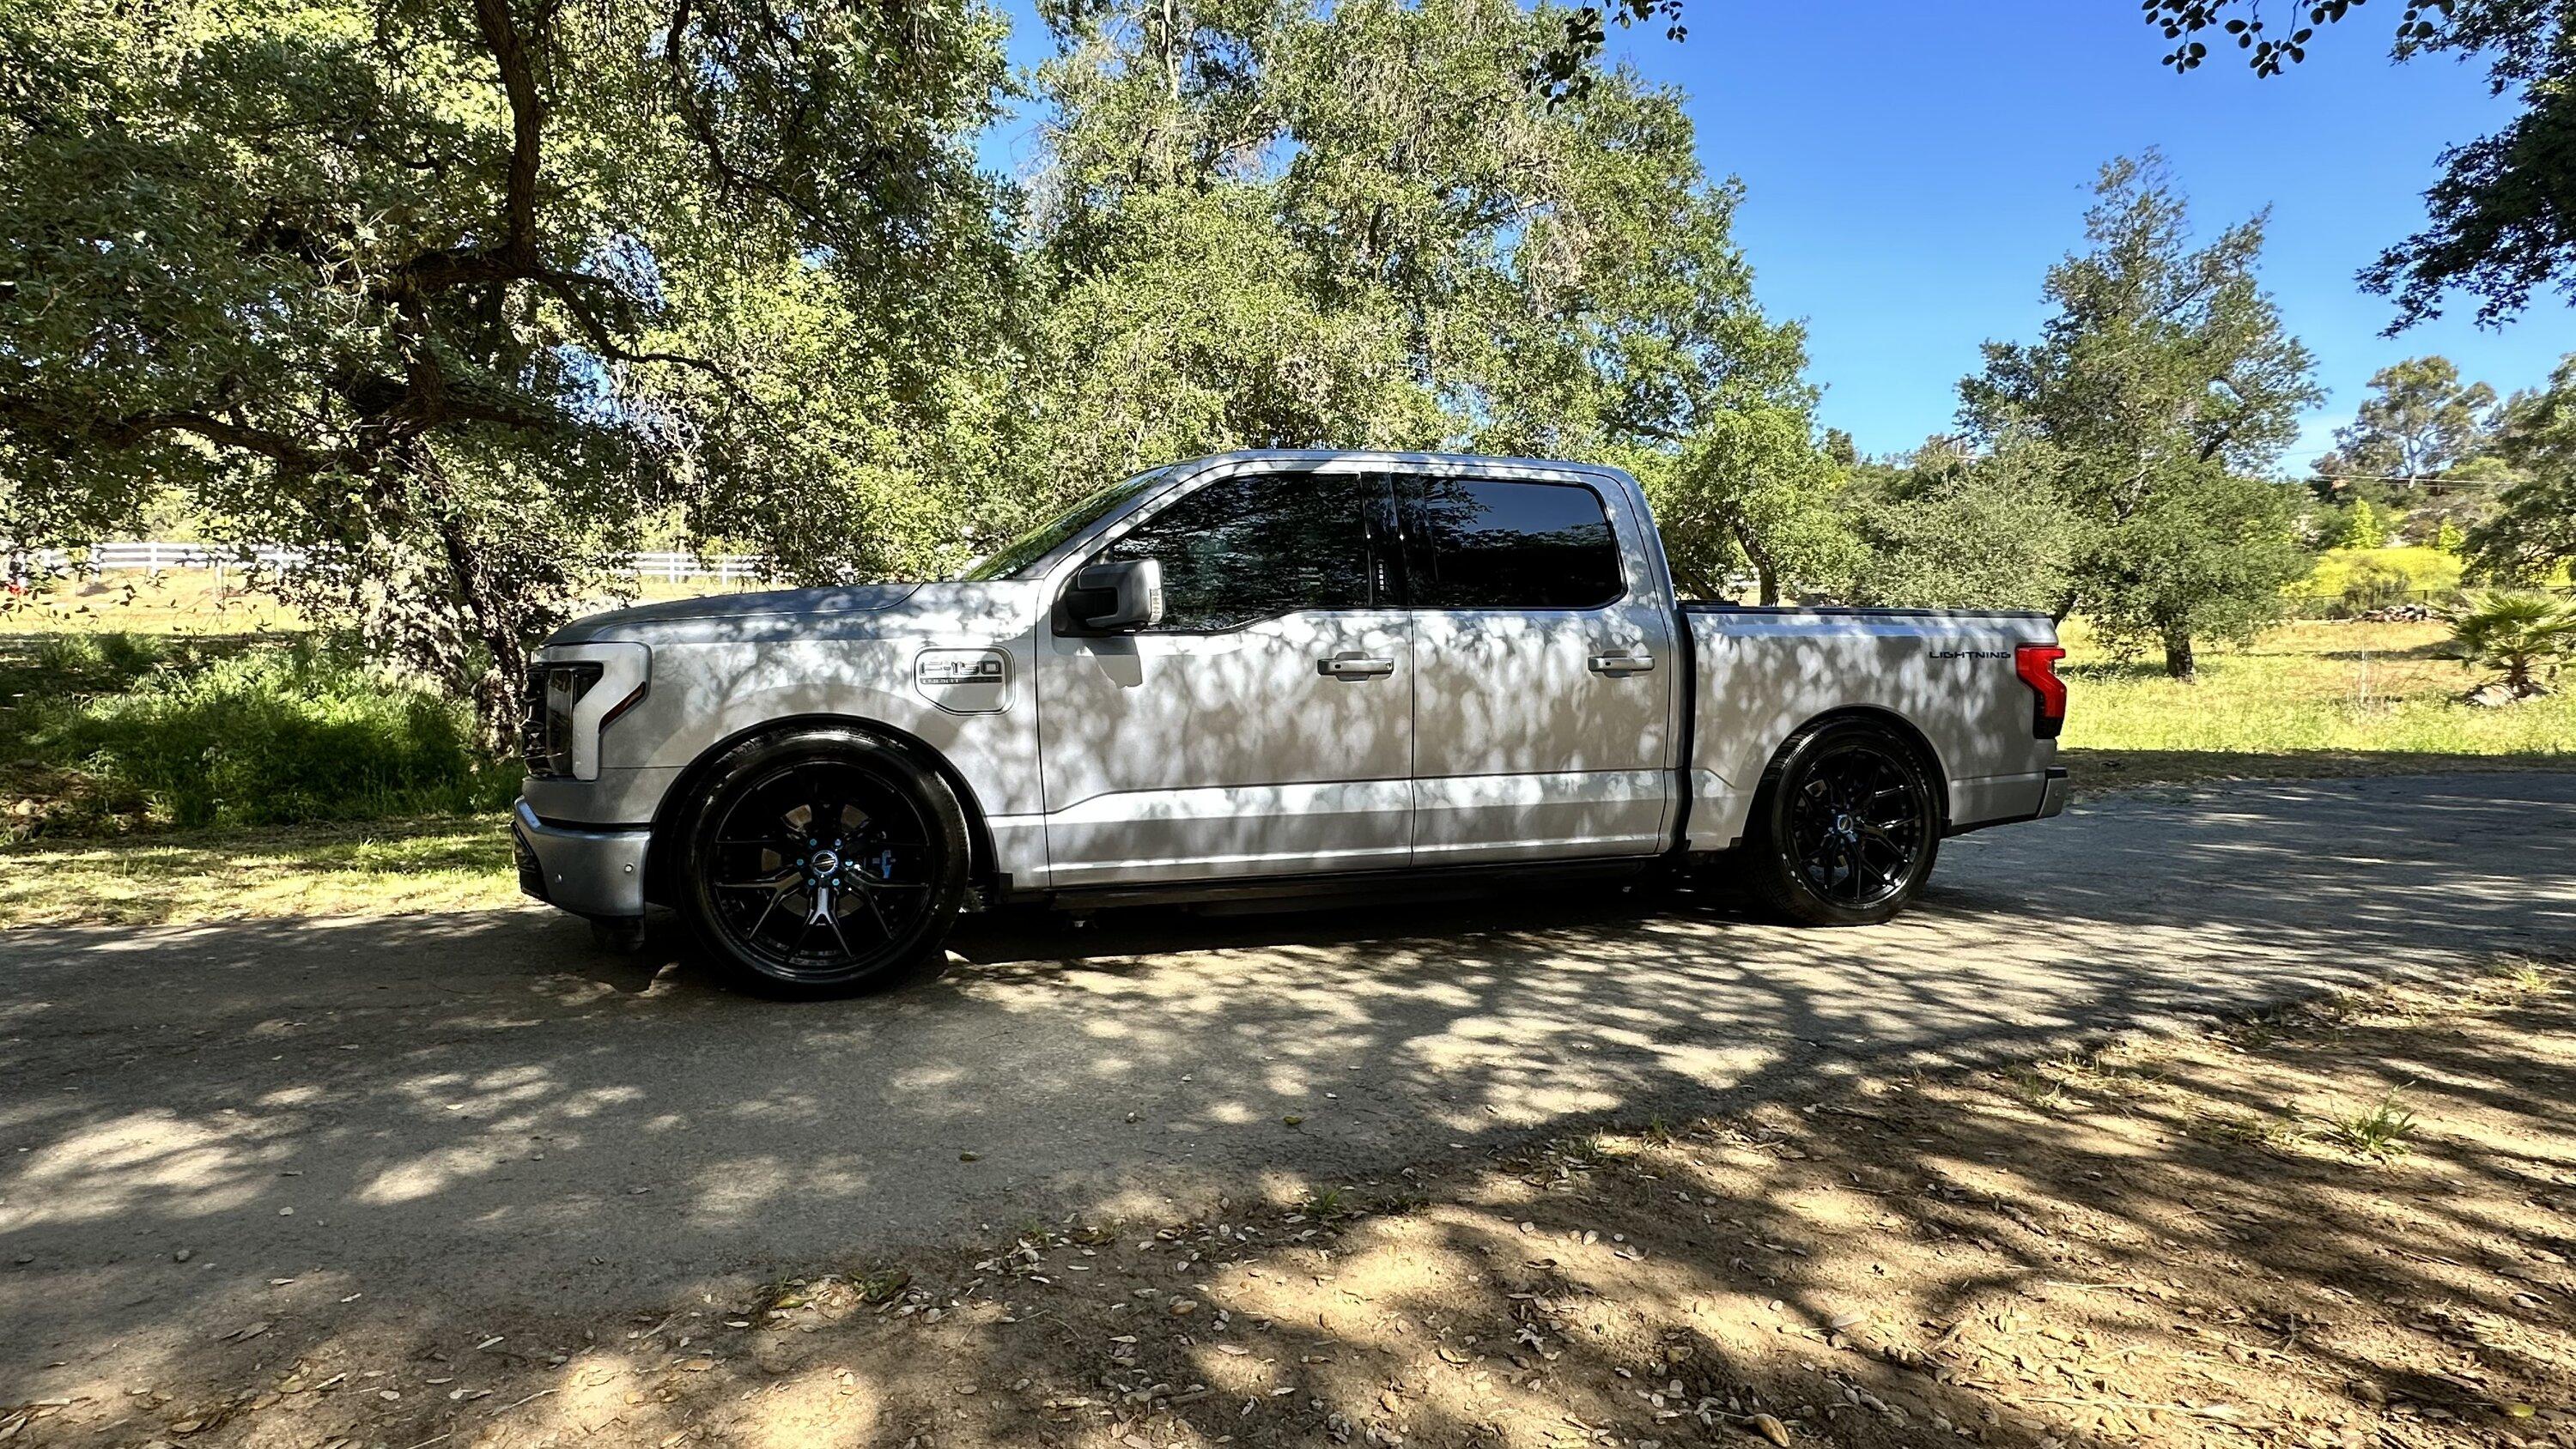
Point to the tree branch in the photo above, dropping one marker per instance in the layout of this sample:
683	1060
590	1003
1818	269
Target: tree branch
565	287
527	121
127	431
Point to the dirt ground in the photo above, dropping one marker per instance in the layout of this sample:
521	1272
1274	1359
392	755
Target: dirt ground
2348	1222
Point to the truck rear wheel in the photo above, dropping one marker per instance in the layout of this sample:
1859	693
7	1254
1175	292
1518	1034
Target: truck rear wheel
1845	827
823	862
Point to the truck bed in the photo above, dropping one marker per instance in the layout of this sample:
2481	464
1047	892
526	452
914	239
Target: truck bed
1944	676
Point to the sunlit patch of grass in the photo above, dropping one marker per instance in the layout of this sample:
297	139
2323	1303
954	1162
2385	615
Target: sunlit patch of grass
2519	974
452	863
2380	1130
2307	699
199	602
2240	1129
2037	1088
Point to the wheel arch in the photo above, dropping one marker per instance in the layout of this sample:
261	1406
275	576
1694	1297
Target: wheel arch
660	860
1896	725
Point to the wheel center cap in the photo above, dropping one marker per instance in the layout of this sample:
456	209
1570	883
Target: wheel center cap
1843	824
825	862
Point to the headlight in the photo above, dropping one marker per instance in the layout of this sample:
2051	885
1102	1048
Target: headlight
573	694
545	737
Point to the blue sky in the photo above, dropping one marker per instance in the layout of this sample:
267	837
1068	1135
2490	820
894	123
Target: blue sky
1913	169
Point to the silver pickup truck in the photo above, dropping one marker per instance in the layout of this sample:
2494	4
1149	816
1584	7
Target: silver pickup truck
1261	673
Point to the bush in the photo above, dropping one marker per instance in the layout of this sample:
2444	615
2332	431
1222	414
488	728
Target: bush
2375	585
275	734
98	663
2429	571
2520	634
2362	528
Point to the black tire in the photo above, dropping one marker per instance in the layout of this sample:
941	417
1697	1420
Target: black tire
826	829
1846	826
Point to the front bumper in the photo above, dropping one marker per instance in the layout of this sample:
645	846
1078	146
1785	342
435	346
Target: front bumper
2052	800
589	872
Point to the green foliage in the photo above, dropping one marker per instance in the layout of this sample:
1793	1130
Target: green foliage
1954	532
457	295
2162	378
2382	1129
2459	499
1275	223
1752	486
2205	556
2501	206
2531	536
264	735
2361	527
2420	420
2518	634
2374	585
2450	538
2348	574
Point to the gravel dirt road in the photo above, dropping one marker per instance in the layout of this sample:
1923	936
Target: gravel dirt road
465	1118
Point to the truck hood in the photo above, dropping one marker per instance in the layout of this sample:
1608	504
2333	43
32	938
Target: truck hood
850	611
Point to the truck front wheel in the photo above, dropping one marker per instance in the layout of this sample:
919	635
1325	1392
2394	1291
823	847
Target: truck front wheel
1845	826
822	862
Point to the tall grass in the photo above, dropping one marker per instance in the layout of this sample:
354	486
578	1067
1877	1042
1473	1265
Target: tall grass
274	733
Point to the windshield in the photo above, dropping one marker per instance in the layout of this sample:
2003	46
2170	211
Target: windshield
1011	558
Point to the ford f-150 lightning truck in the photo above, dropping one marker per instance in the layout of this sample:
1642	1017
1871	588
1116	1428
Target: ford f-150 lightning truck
1261	673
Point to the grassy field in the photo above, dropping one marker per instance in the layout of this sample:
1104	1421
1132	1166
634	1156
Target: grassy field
396	867
179	602
194	602
2307	699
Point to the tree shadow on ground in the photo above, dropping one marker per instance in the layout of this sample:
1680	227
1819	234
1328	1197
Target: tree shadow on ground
435	1130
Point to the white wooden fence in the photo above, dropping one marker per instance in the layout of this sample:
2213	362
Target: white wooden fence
153	556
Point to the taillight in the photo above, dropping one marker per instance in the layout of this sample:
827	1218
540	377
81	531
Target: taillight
2037	666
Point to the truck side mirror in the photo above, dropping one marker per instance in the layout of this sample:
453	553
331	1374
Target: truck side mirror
1115	597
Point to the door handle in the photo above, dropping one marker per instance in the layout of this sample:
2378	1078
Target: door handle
1354	666
1622	663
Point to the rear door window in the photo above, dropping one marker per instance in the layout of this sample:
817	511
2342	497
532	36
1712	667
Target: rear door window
1484	543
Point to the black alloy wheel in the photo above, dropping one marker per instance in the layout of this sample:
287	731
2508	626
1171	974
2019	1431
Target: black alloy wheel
1849	826
826	861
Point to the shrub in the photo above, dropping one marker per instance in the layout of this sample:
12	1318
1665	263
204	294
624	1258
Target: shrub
2517	633
98	663
2429	571
270	735
2375	585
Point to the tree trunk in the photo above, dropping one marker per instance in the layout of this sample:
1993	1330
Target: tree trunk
1764	574
482	613
2179	663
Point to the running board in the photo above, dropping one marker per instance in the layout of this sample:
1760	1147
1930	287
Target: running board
1436	882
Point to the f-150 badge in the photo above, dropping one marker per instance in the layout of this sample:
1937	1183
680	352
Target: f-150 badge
964	681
